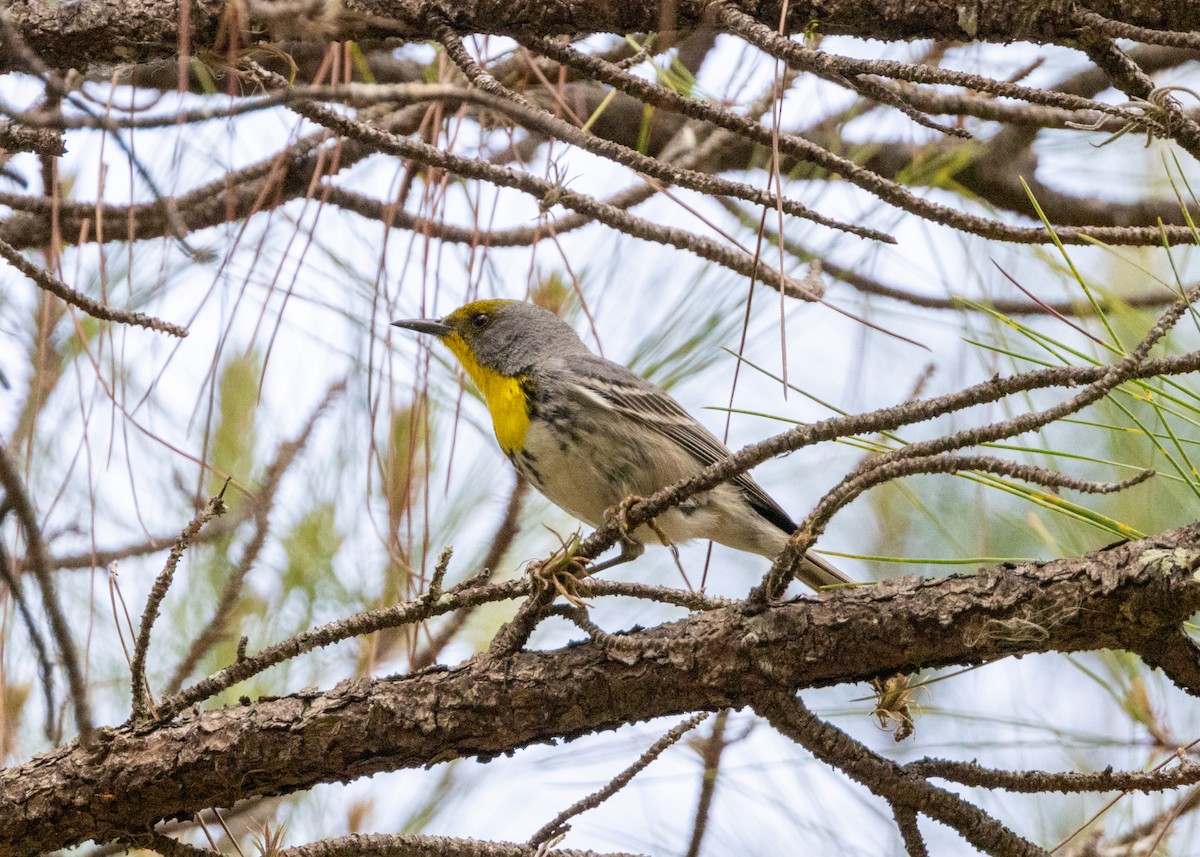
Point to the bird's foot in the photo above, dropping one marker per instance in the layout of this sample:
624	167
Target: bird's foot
630	550
620	513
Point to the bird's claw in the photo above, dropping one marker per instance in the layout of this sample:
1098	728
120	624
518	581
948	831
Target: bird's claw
620	513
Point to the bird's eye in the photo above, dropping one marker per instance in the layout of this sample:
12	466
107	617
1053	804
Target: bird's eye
480	320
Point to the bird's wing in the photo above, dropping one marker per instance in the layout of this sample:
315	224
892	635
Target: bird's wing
636	398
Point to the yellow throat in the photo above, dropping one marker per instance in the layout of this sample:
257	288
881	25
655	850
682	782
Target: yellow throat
504	395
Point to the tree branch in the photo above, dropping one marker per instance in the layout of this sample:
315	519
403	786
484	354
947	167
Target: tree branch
904	790
108	32
1128	597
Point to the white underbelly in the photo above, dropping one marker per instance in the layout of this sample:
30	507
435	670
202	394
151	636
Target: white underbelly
586	482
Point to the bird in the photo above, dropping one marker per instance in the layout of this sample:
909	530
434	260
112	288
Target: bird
588	433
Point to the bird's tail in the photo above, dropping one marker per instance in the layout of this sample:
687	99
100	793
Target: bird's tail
816	572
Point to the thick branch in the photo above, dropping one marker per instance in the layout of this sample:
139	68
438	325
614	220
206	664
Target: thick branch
109	32
1132	597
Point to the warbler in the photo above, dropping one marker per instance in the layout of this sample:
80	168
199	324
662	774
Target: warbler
588	433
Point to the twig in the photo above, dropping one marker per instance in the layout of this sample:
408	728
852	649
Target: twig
871	286
15	44
1114	375
1152	827
405	613
92	307
140	686
377	845
802	149
884	419
412	845
711	751
1121	30
941	103
1034	782
39	562
558	825
545	122
876	91
1163	115
286	174
22	138
215	626
905	791
598	587
41	652
500	542
906	822
550	194
808	59
262	504
514	633
155	544
880	469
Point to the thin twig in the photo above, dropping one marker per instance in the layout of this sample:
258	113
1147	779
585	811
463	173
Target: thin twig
809	59
788	715
712	749
1163	116
880	469
16	137
884	419
558	825
870	286
140	687
499	544
15	44
1121	30
262	504
377	845
547	123
548	193
405	613
802	149
38	559
876	91
1033	782
1123	370
8	574
155	544
906	822
94	308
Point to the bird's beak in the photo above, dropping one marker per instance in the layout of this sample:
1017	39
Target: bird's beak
424	325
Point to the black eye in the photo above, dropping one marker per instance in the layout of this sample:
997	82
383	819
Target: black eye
480	320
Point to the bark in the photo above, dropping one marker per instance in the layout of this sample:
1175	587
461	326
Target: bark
117	32
1134	596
